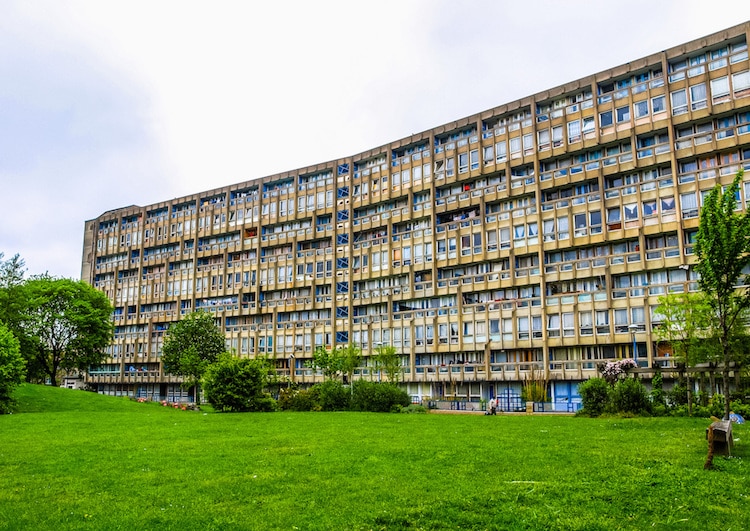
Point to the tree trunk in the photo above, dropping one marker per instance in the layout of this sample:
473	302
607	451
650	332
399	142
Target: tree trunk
709	464
689	394
725	377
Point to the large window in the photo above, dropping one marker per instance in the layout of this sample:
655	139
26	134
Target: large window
698	96
679	102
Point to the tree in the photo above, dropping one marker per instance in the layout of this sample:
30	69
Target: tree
723	250
234	385
388	360
11	271
67	324
12	367
12	302
328	361
684	319
351	358
190	346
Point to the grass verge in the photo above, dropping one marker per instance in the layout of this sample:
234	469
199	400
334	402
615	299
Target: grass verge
74	460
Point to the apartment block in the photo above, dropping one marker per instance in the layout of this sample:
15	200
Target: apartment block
529	240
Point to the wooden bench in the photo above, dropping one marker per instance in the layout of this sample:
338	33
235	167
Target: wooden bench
722	439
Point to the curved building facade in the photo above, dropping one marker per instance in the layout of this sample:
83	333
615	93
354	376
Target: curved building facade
529	241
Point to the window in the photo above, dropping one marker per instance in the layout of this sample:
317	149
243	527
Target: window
623	114
679	102
574	131
605	119
602	322
631	212
523	328
698	96
588	125
659	104
543	139
640	109
553	325
463	162
489	154
501	149
667	205
585	323
595	222
562	228
557	136
548	229
515	146
720	88
741	84
579	222
614	221
689	205
528	143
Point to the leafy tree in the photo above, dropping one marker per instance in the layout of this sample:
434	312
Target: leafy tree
684	322
66	323
235	384
12	302
723	250
351	358
190	346
328	361
12	367
11	271
388	360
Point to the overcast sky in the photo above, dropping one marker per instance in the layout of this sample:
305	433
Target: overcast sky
105	104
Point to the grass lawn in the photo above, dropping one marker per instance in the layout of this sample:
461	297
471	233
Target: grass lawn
75	460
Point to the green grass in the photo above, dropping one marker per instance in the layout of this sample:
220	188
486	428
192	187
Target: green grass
75	460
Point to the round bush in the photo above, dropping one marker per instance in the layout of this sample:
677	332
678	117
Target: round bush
235	384
333	396
630	396
377	397
594	396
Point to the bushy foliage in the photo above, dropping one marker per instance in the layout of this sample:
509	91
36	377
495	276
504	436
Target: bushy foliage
630	396
234	384
333	396
594	396
12	368
677	396
657	389
295	399
378	397
534	391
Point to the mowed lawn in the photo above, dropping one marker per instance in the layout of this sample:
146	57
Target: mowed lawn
75	460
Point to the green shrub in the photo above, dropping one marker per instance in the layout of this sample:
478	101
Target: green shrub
333	396
630	396
594	396
295	399
412	408
234	384
377	397
657	389
716	405
677	396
